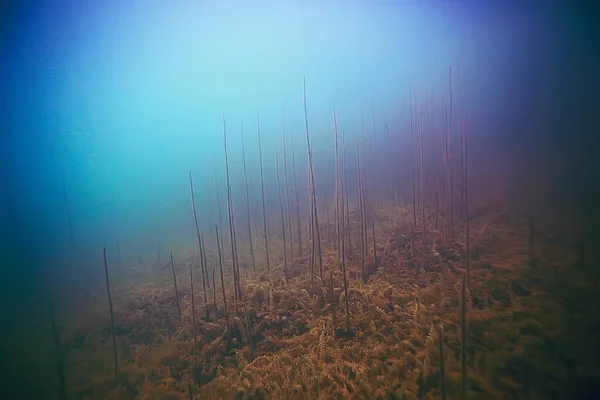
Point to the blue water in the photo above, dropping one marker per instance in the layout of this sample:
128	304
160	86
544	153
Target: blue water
124	98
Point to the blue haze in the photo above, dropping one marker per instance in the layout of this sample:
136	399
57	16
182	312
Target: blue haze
129	95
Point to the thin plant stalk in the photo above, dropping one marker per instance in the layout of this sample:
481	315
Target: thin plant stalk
463	337
262	190
206	267
314	191
297	195
451	161
213	272
311	231
175	285
361	208
345	284
237	260
374	244
285	261
437	201
466	200
344	190
223	283
112	316
462	138
199	243
446	176
422	174
230	218
287	191
247	200
194	306
332	301
412	165
337	190
219	207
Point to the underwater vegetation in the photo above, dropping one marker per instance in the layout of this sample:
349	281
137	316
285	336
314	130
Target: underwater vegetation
395	288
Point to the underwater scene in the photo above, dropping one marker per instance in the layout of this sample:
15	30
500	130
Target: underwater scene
300	200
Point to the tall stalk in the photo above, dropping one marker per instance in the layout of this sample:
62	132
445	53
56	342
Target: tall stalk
345	223
412	166
311	232
345	281
343	252
451	162
175	285
422	170
463	337
199	244
194	307
247	199
213	272
446	175
231	229
219	207
374	244
287	191
285	266
361	212
297	196
112	316
466	200
314	191
223	283
338	230
262	189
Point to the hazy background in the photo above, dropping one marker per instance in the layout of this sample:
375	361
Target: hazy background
129	96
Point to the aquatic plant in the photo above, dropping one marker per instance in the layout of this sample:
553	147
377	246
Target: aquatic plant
262	191
232	238
283	231
201	254
313	196
175	287
248	198
112	316
223	283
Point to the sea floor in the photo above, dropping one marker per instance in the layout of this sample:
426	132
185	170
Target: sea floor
530	323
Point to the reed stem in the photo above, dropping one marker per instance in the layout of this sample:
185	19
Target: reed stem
236	279
285	266
247	200
202	265
262	189
223	284
313	186
112	316
194	307
175	285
